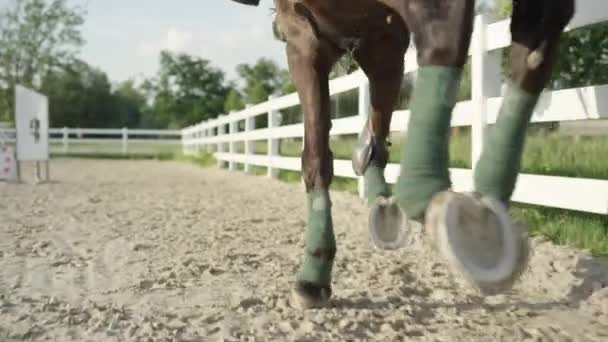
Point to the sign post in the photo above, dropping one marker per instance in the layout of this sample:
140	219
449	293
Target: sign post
32	126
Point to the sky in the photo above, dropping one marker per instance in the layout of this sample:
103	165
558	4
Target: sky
124	37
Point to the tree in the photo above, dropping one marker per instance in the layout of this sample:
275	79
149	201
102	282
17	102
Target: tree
234	101
129	104
80	96
262	79
187	90
36	36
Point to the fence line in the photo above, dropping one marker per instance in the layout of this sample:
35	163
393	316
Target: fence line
66	137
585	103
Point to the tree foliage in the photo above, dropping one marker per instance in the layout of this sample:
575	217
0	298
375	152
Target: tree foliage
39	41
186	90
82	96
36	36
262	79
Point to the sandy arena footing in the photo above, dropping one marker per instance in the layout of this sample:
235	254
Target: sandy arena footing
168	251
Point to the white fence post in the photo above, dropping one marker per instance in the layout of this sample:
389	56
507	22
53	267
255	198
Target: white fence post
184	141
208	134
486	82
250	144
274	120
232	129
125	140
66	137
221	130
187	146
364	106
198	134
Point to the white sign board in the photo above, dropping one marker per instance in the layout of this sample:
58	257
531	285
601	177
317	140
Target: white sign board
8	165
32	123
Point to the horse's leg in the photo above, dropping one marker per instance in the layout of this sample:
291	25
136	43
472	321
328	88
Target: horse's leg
442	32
309	67
475	235
536	27
384	69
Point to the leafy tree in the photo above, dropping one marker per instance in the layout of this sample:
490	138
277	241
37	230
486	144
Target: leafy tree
80	96
262	79
234	101
129	103
36	36
187	90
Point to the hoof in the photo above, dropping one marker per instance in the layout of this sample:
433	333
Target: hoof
477	237
388	225
307	295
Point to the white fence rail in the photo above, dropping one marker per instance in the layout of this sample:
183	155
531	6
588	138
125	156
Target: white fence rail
122	138
587	103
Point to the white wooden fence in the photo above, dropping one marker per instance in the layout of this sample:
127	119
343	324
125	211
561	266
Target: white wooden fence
489	38
87	140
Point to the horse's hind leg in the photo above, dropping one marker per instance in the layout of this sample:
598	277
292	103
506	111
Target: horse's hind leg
309	66
536	27
384	69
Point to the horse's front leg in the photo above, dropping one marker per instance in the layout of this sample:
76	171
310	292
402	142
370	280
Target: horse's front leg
442	33
309	67
536	27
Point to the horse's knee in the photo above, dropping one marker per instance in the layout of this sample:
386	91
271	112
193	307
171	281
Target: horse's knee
442	30
317	168
443	49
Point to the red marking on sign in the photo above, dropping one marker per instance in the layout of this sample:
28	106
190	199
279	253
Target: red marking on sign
8	159
4	149
6	170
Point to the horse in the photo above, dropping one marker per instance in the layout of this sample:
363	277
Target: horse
473	230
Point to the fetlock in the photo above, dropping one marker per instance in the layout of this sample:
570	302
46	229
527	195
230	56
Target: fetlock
375	184
369	151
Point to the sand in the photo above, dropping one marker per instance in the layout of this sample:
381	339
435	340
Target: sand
168	251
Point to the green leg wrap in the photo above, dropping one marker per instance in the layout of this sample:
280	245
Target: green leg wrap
425	153
499	163
320	240
375	184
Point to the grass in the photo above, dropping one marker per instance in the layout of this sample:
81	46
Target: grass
116	149
203	159
546	154
565	227
114	155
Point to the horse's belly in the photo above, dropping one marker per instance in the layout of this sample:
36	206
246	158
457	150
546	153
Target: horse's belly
357	18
